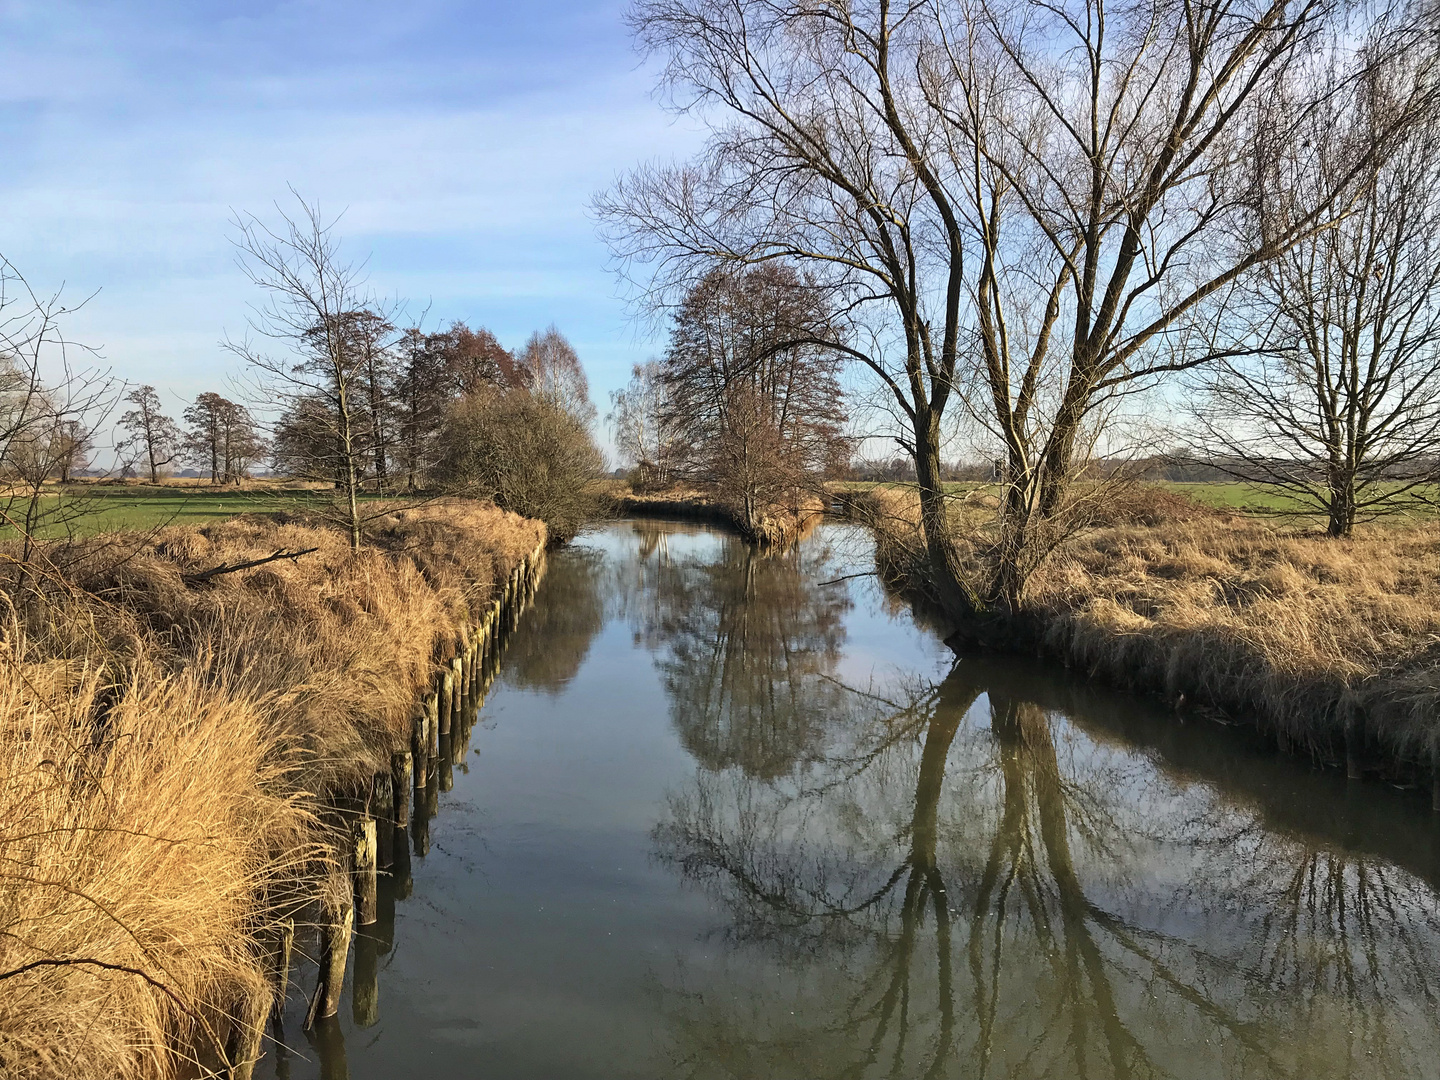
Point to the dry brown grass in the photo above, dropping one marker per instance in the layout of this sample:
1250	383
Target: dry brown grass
1289	630
165	751
1280	627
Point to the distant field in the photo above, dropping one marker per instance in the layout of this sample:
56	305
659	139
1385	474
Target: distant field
1227	495
86	509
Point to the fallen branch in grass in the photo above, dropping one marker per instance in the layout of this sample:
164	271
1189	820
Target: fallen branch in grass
226	568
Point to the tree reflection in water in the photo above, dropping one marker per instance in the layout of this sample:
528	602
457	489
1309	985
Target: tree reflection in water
552	641
746	644
954	880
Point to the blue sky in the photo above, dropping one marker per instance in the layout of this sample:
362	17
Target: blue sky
462	140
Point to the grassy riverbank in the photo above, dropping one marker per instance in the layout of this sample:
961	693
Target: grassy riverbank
1297	633
168	744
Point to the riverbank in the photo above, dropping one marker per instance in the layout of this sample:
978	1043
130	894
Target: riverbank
176	738
1331	646
777	525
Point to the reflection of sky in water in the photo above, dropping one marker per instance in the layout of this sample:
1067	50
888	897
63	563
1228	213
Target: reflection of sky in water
722	820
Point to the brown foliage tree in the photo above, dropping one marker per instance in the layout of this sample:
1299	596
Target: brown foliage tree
752	396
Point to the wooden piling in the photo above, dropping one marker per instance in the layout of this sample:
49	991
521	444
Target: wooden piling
1354	739
432	730
402	773
401	880
446	779
365	989
243	1050
382	809
1435	777
457	697
445	704
334	948
419	745
363	855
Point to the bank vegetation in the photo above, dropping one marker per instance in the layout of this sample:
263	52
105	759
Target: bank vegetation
172	744
1329	645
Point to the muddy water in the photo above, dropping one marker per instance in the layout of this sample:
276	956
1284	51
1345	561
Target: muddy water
735	815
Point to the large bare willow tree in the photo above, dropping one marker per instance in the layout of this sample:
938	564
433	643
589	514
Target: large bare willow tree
1024	209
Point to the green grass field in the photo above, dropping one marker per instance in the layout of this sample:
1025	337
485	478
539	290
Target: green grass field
87	509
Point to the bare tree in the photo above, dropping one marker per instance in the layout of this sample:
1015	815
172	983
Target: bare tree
549	368
312	303
1034	208
152	435
641	419
44	403
1341	408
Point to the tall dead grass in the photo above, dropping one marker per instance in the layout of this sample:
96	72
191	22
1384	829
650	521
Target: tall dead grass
166	748
1291	631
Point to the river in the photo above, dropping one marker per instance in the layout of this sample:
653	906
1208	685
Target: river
728	814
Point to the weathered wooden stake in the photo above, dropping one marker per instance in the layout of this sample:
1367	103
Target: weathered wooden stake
457	697
446	779
419	745
382	809
363	854
244	1044
432	790
400	869
1435	778
402	772
446	705
432	730
1354	734
334	947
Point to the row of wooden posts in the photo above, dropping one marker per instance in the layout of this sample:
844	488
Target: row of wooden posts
379	819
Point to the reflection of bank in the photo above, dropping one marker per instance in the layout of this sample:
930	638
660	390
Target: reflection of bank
1043	903
746	642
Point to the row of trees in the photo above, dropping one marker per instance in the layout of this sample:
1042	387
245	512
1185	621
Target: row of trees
221	437
366	406
358	403
1021	215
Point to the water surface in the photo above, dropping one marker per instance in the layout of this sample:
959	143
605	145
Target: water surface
736	815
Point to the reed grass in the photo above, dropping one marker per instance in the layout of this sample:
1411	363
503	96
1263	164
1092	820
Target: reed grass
1292	631
167	752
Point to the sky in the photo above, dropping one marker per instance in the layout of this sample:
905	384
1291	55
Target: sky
460	143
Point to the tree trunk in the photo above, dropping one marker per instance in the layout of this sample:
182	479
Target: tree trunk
946	575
